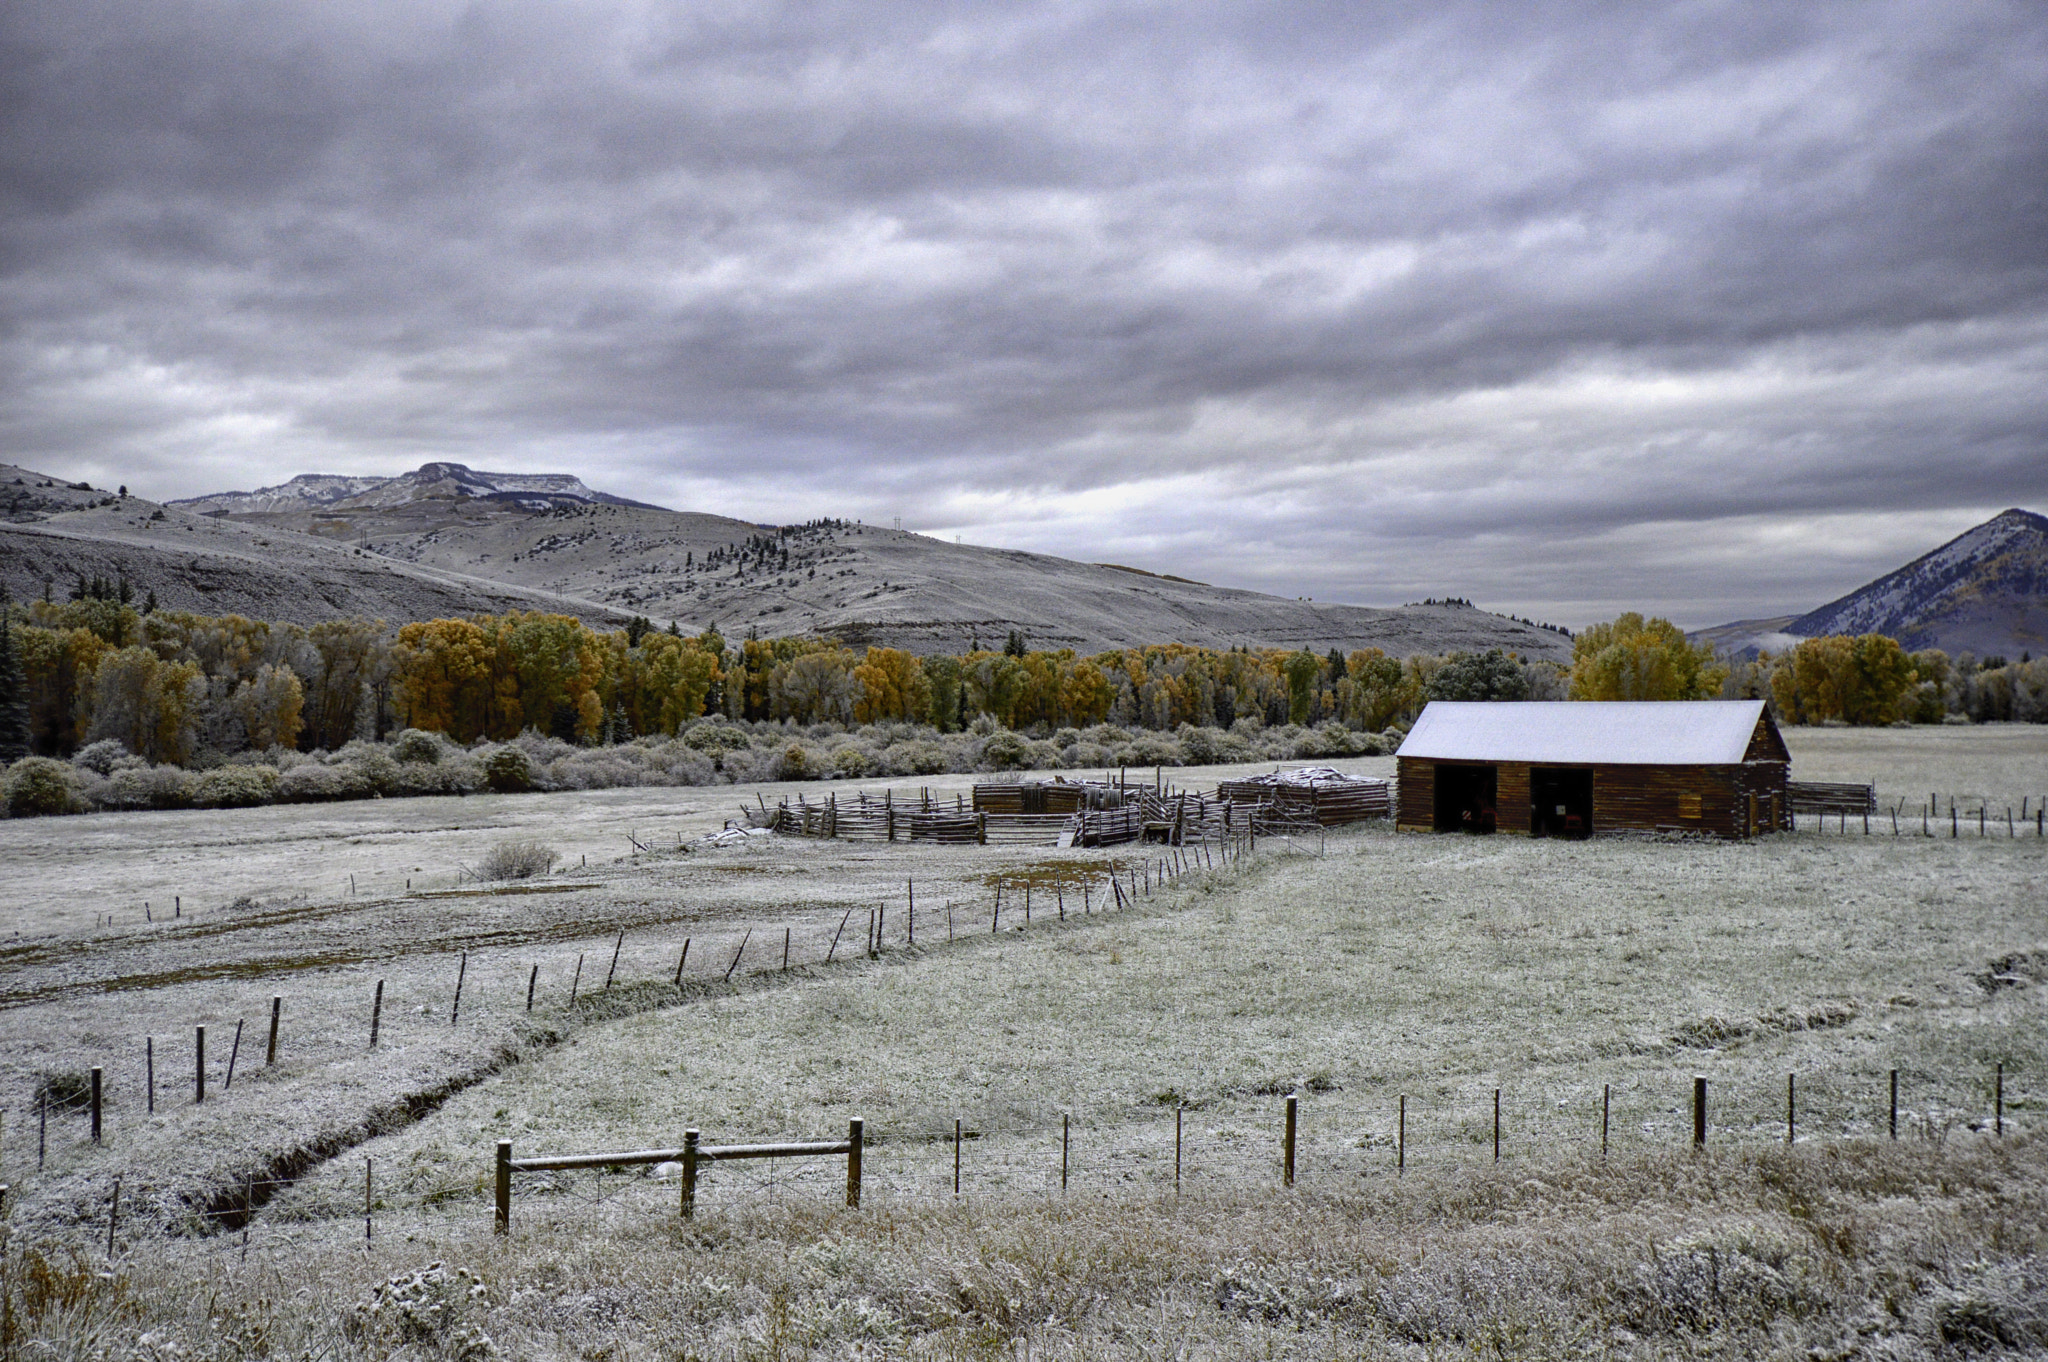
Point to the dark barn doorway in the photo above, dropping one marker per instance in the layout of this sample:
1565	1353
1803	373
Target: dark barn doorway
1465	798
1560	802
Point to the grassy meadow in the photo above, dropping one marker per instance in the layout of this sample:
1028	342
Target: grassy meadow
1357	970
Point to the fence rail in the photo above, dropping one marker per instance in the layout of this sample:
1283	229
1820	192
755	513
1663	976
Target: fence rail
689	1155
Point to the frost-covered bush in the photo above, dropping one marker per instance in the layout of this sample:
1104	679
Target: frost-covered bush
917	759
508	771
458	774
145	787
414	745
105	757
715	739
850	763
1151	749
40	785
313	783
517	860
235	787
1004	751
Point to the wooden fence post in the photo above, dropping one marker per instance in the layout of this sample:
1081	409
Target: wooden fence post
1895	1104
504	1224
1066	1143
532	980
461	973
1699	1111
617	946
149	1070
1791	1109
1401	1138
1606	1109
1496	1125
1293	1106
689	1180
270	1052
234	1052
95	1104
956	1156
199	1063
1999	1118
376	1012
855	1135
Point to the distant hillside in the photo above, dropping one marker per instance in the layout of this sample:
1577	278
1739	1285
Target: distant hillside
862	584
446	540
50	532
429	482
1984	592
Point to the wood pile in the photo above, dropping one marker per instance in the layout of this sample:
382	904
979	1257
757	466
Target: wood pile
1324	801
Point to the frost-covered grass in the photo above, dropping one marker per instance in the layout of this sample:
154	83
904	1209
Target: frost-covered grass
1439	968
1435	967
1877	1251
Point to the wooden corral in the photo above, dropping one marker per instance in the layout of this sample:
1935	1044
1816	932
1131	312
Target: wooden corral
1051	813
1573	768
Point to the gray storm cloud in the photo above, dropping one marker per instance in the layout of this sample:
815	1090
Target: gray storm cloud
1711	309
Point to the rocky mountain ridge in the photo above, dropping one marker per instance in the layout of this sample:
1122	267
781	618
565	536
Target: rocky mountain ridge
1985	593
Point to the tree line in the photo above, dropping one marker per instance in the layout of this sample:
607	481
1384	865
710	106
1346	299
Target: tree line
173	686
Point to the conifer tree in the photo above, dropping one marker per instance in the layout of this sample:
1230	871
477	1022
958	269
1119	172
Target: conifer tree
13	691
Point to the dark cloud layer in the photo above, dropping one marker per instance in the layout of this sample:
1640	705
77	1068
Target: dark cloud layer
1709	308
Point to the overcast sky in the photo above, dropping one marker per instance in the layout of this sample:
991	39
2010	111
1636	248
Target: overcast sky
1711	310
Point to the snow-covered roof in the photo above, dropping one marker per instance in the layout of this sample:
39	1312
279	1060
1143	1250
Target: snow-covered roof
1586	732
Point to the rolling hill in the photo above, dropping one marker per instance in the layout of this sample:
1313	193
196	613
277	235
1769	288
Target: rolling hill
449	540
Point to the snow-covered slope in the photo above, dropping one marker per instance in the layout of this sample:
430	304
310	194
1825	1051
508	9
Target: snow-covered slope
1983	592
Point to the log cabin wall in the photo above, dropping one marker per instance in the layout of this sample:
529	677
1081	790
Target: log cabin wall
1415	796
1511	803
1707	799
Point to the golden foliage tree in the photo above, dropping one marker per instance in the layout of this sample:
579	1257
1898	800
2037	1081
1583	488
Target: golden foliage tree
1637	659
1864	680
893	685
145	703
443	669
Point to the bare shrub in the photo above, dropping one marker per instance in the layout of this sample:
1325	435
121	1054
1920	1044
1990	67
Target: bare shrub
519	860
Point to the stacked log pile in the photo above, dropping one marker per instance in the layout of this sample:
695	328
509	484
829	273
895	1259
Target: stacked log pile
1321	798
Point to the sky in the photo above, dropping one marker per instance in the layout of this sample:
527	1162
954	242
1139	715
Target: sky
1709	310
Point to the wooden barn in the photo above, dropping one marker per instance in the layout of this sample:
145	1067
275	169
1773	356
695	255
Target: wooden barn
1576	767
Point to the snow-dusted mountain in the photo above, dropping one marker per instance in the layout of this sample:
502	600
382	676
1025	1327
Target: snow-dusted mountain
429	482
306	491
1984	592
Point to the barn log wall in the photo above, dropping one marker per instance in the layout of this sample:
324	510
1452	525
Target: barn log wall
1644	798
1415	795
1511	804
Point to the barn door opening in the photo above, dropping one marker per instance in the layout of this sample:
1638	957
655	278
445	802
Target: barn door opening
1560	801
1465	798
